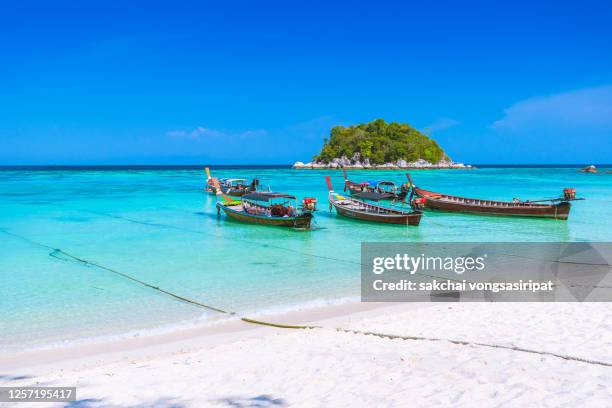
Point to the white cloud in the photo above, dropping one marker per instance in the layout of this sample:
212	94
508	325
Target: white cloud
589	108
200	132
195	134
258	132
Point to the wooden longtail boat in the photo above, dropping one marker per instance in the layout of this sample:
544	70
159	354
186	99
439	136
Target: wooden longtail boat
235	187
361	210
267	208
388	189
557	208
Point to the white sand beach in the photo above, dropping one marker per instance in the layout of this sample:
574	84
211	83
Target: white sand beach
243	365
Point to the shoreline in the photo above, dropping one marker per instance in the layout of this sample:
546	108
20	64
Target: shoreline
179	325
384	168
356	164
180	335
387	166
561	356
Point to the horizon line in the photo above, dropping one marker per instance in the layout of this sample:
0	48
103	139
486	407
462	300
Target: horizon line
4	166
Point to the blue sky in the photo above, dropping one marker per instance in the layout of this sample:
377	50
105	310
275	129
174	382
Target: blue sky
263	82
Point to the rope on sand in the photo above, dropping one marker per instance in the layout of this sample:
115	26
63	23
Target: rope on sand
55	252
478	344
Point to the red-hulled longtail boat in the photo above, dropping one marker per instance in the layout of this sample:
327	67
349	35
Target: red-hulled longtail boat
555	208
361	210
235	187
267	208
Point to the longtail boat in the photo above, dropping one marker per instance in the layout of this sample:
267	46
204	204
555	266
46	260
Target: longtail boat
387	190
268	208
555	208
361	210
235	187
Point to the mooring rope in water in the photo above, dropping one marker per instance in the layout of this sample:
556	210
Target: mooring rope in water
199	232
558	261
55	251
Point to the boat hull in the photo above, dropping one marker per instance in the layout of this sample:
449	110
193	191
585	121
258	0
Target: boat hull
364	211
559	211
302	221
413	218
236	193
230	192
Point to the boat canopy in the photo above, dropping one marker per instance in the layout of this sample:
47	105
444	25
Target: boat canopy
373	196
266	196
233	180
376	183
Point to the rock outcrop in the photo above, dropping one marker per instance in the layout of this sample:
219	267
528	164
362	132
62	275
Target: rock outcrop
356	163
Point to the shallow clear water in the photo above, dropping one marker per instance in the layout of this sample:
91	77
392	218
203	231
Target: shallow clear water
159	226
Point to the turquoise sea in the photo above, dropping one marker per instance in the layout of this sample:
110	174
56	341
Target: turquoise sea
159	226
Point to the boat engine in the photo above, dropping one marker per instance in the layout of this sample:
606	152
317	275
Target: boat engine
419	203
309	204
569	193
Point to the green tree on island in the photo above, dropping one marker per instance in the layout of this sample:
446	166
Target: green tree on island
381	142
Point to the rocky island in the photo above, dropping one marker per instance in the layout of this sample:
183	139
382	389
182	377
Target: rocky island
380	145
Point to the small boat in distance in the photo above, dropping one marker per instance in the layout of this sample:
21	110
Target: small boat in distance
556	208
235	187
387	190
361	210
589	169
268	208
